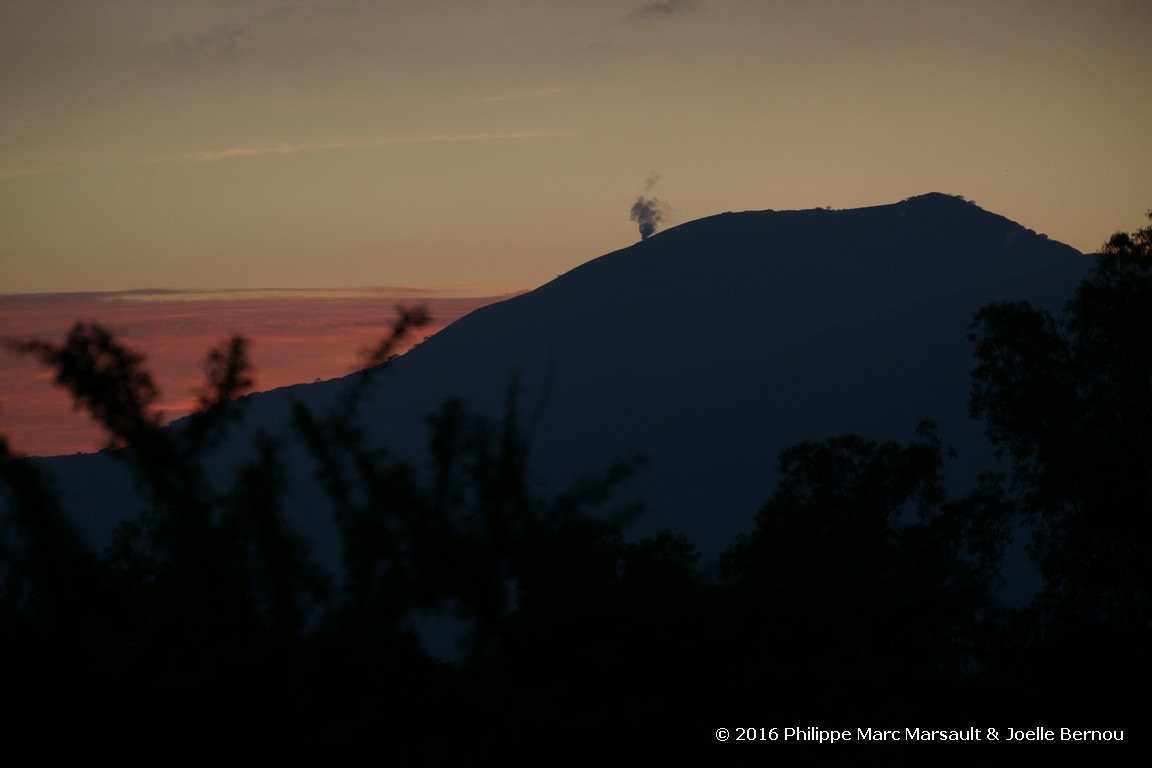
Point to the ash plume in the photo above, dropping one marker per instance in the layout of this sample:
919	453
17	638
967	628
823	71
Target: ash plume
647	212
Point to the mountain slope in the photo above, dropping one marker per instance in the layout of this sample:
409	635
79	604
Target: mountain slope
707	348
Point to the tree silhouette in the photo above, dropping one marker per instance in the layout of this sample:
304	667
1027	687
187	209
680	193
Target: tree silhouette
1069	400
860	572
861	579
209	601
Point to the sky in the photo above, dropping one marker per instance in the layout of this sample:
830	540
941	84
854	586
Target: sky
293	337
199	145
332	143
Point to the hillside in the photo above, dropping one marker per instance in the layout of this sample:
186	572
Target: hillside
707	349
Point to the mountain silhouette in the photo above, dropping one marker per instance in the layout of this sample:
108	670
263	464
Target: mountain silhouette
707	349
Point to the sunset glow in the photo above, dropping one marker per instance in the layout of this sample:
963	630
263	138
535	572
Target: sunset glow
326	143
295	336
319	144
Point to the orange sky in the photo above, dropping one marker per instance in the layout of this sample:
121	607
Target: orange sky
316	144
296	336
324	143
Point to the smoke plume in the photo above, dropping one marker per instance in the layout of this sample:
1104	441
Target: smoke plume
647	212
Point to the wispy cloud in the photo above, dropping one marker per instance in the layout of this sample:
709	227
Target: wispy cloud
535	93
295	147
281	148
661	8
218	41
23	173
9	302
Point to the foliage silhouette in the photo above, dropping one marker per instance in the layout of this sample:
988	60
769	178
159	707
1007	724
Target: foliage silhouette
859	573
105	379
1069	400
860	582
210	600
